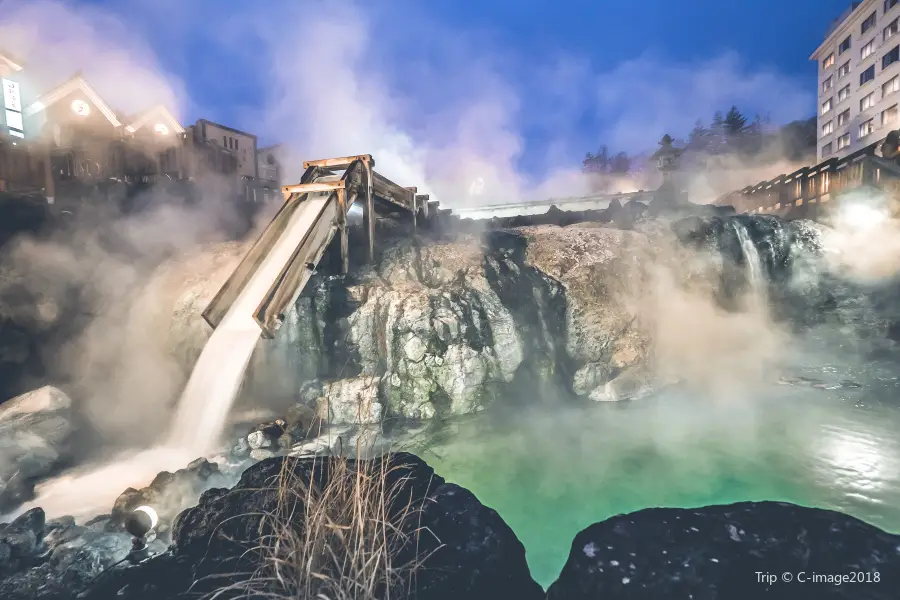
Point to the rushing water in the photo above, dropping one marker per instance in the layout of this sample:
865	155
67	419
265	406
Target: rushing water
551	474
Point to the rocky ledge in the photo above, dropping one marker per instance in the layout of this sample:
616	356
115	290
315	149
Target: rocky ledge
259	538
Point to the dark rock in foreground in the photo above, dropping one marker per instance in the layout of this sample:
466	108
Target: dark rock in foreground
462	549
35	435
466	549
733	552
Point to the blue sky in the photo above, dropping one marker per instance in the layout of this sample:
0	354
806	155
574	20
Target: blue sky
515	85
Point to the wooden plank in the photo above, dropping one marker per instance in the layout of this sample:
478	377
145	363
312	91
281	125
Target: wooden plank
342	228
422	201
311	188
218	307
389	191
296	273
370	209
415	207
338	163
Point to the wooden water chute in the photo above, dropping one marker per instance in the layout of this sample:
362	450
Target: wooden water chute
328	189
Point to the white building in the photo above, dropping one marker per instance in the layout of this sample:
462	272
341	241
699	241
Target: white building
859	78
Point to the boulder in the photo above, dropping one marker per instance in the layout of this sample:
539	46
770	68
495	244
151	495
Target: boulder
35	432
447	544
20	540
738	551
168	494
443	328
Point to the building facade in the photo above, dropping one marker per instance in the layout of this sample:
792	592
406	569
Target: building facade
268	165
68	146
859	78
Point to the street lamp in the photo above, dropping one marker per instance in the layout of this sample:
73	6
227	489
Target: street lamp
139	523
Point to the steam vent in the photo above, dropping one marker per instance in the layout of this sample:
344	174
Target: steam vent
461	367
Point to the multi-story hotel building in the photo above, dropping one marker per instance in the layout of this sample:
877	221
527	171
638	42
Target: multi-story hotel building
859	78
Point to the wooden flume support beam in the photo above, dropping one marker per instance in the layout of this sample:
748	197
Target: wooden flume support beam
422	202
370	207
338	163
310	188
412	202
342	230
313	212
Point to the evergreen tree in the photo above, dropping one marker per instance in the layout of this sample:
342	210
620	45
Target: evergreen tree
620	164
734	123
698	138
716	136
596	163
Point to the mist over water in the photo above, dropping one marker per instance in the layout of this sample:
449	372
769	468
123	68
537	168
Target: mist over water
551	473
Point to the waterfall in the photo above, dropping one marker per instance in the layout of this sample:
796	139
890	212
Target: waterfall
753	264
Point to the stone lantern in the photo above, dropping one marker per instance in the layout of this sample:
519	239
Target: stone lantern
667	163
667	156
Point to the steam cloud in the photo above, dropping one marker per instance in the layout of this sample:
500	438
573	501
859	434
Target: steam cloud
445	110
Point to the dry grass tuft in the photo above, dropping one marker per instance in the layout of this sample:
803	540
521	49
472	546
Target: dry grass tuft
336	533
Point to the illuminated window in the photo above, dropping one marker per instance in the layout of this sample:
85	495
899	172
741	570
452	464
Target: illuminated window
826	106
844	93
843	141
828	128
866	128
867	50
867	102
891	30
844	70
829	61
893	85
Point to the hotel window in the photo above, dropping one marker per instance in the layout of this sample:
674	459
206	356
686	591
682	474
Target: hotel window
844	93
892	28
843	141
845	45
867	50
826	106
829	61
826	85
843	118
891	86
828	128
866	128
889	4
892	56
844	70
889	115
867	75
867	102
868	24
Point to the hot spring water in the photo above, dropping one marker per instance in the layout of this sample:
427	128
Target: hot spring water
551	474
202	411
